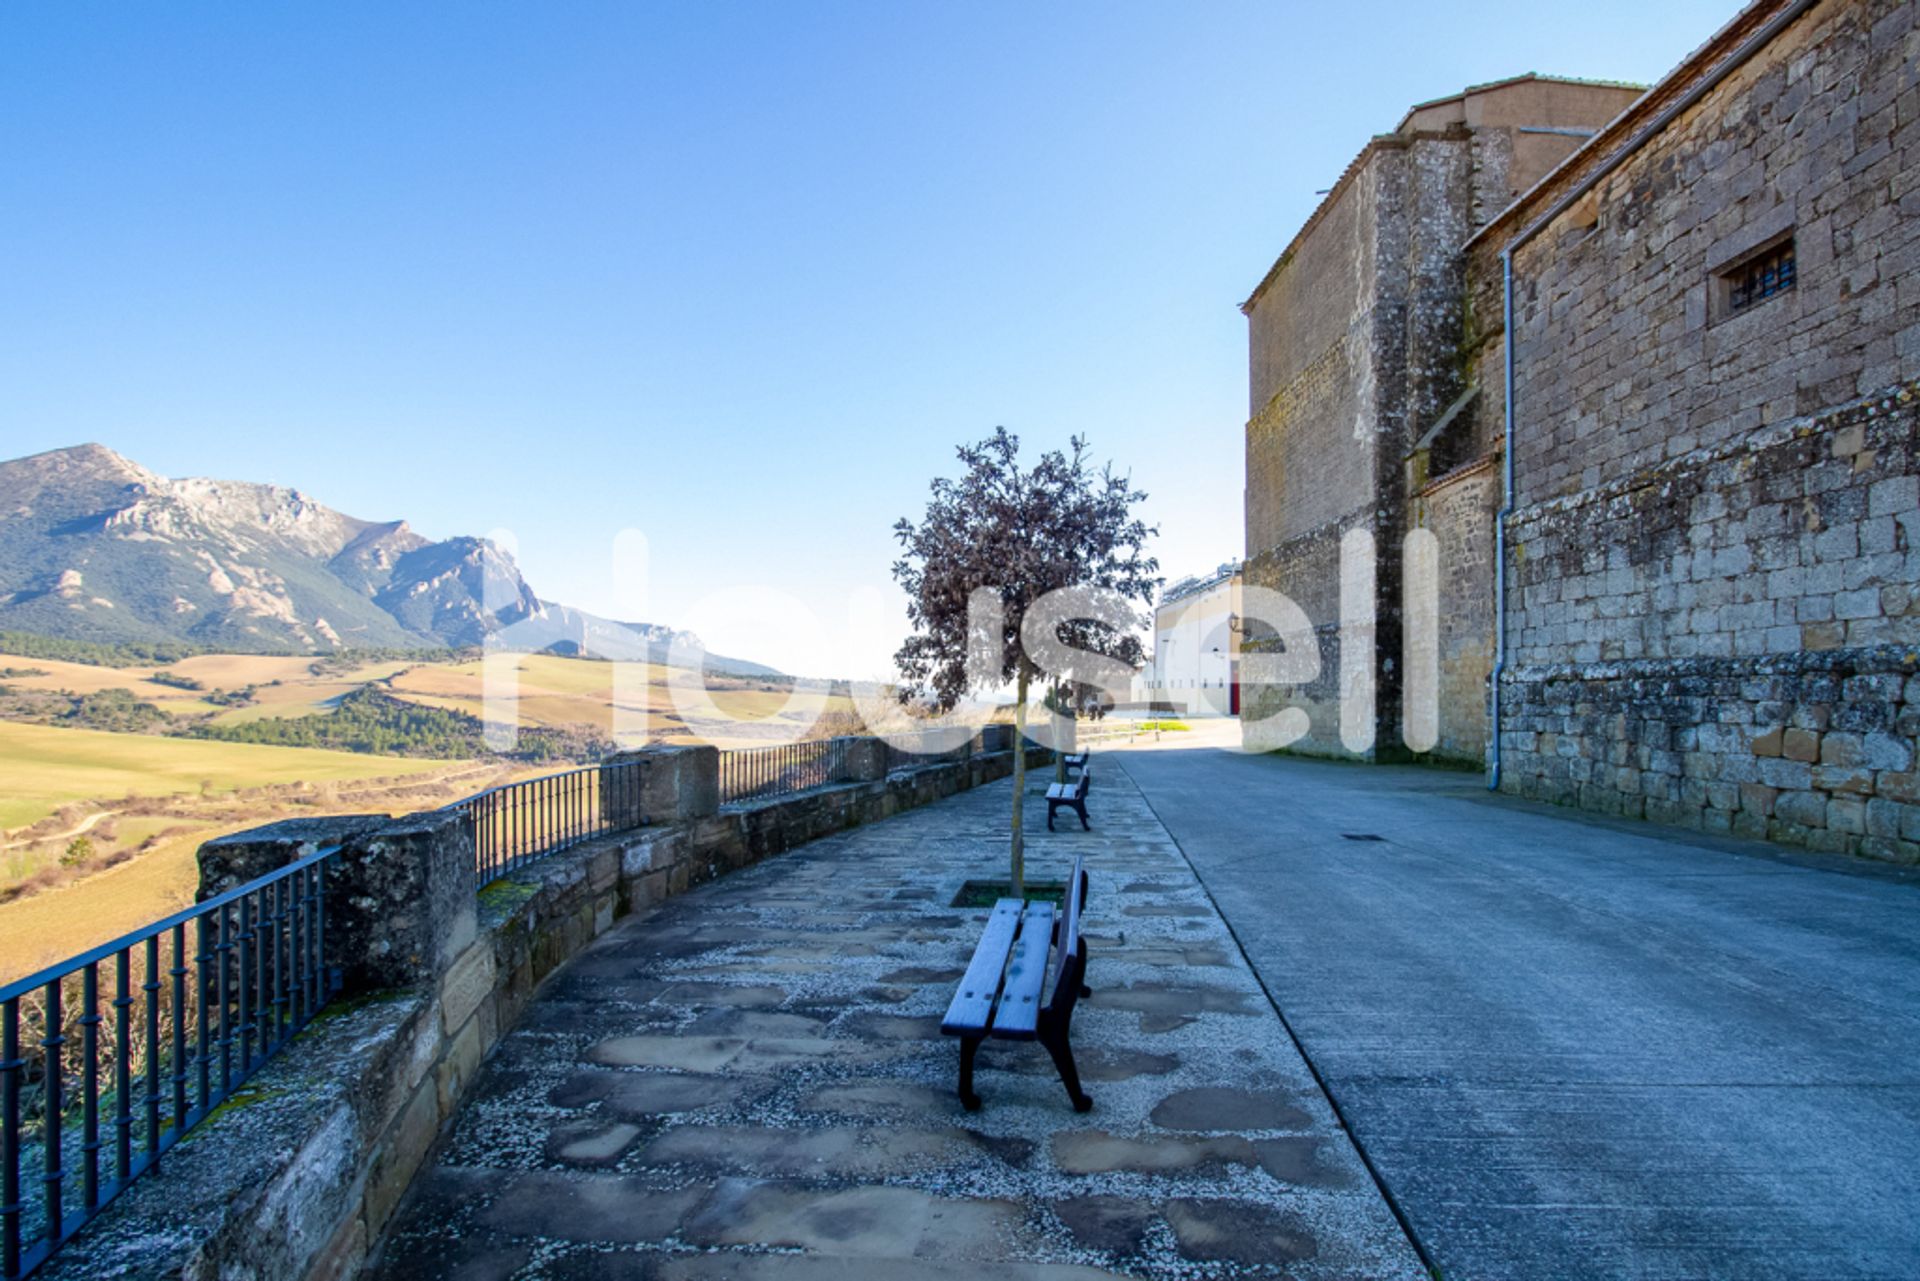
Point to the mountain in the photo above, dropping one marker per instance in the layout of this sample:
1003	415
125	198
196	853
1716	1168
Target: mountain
96	547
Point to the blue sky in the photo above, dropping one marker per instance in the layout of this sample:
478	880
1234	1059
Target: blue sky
737	275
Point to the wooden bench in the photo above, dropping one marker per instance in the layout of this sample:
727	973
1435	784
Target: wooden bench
1072	795
1002	991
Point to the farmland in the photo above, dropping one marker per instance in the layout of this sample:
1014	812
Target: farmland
558	692
549	691
143	804
98	829
48	768
282	686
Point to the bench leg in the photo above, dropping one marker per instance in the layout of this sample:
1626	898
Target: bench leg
1051	807
1056	1043
969	1046
1081	810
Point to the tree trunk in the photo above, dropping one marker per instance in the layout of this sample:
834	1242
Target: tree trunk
1019	876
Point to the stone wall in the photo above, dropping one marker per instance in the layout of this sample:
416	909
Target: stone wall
1359	338
1310	341
1622	358
1312	456
1729	642
1712	559
1802	537
1812	749
1458	509
299	1172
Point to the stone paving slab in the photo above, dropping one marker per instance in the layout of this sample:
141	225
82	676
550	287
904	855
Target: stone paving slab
750	1082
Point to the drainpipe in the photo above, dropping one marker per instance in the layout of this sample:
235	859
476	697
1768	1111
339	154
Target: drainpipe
1733	61
1506	510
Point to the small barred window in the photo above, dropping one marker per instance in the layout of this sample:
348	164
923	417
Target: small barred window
1760	277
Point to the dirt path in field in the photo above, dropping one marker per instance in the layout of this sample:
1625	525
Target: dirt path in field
81	828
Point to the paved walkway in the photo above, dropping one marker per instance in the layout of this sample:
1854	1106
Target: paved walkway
1578	1048
750	1083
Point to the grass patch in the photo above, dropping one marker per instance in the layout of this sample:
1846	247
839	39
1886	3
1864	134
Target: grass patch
987	893
46	927
47	767
506	895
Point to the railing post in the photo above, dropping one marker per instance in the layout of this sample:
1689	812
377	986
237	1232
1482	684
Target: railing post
90	1084
203	1003
866	760
399	902
672	784
122	1061
10	1207
179	973
394	907
53	1068
152	987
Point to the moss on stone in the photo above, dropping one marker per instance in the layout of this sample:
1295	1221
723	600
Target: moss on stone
506	894
340	1007
241	1099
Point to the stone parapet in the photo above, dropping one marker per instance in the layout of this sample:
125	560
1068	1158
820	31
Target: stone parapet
300	1172
1815	749
262	1189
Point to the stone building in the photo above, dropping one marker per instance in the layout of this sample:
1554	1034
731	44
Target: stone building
1703	601
1357	352
1196	645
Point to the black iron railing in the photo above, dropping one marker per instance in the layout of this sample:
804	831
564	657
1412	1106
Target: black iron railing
516	823
756	773
108	1058
923	747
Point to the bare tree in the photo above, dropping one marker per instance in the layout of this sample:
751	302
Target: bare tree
1021	534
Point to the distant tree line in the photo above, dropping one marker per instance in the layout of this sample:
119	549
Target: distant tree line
117	711
156	653
365	720
341	661
368	720
98	653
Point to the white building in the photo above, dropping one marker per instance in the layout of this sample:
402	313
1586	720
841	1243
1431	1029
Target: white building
1196	645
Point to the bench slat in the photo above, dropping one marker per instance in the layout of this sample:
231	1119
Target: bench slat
1018	1015
972	1005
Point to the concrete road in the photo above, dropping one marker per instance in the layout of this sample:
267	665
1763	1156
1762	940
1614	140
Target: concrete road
1575	1047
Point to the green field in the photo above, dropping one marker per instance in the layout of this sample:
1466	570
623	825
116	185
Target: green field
46	768
59	894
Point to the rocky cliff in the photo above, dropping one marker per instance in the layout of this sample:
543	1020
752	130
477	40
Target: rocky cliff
96	547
